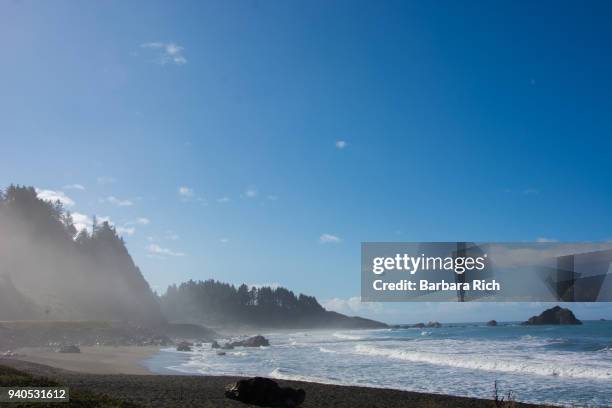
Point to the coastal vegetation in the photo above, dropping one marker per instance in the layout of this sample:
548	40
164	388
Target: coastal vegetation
52	271
221	304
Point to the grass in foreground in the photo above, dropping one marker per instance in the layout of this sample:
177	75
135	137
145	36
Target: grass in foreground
10	377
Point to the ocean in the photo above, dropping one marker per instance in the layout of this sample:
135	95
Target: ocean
561	365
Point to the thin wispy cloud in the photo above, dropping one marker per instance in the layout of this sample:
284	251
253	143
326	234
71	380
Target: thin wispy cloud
543	239
352	305
158	250
224	240
167	52
74	187
250	192
143	221
531	191
223	200
329	239
54	196
272	197
185	192
341	144
105	180
118	202
125	230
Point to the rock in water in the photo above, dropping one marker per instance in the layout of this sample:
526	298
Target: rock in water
255	341
69	348
215	344
555	315
492	323
265	392
183	346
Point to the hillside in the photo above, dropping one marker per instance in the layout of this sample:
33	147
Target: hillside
220	304
47	271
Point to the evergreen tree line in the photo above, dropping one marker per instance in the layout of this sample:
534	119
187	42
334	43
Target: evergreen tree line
216	303
58	272
49	270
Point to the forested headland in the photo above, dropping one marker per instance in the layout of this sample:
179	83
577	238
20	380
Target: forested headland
51	271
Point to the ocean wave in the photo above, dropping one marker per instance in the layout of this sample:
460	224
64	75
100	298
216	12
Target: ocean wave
326	350
492	363
345	336
285	374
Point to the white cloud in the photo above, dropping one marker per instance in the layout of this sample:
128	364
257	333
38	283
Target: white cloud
223	200
168	52
542	239
81	221
531	191
157	250
74	187
85	222
329	239
172	237
224	240
185	192
272	197
341	144
126	230
116	201
53	196
352	306
105	180
143	221
251	192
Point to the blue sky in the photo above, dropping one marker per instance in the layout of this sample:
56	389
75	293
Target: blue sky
261	142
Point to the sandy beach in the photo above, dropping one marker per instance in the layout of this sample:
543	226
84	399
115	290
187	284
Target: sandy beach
93	359
117	372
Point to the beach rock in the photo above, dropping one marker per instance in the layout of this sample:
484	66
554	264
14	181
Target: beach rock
69	348
265	392
220	353
10	353
227	346
255	341
555	315
492	323
433	325
183	346
215	344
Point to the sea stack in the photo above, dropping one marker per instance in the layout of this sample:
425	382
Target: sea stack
555	315
492	323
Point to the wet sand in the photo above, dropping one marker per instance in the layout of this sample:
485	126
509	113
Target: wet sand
94	360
